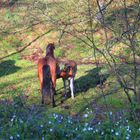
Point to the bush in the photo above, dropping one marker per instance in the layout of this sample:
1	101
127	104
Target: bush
23	124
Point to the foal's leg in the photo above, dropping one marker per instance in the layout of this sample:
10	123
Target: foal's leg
65	87
72	87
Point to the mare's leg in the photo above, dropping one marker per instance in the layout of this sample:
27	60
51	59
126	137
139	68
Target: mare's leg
40	76
43	101
52	97
53	85
41	86
72	87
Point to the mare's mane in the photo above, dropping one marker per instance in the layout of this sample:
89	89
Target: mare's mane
49	49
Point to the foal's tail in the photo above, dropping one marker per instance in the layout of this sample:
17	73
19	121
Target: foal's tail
46	87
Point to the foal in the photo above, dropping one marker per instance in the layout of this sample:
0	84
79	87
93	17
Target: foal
47	75
68	73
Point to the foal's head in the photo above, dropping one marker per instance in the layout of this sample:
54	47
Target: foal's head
50	49
68	70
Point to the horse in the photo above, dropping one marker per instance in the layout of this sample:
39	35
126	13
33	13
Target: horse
68	73
47	75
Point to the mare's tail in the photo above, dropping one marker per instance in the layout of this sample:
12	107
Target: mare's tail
46	87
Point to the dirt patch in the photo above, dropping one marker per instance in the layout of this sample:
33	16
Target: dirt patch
34	56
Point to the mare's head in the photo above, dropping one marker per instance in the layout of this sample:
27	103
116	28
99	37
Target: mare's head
50	49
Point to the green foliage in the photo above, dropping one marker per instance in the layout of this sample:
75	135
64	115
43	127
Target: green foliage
6	44
59	53
30	123
22	116
16	43
11	17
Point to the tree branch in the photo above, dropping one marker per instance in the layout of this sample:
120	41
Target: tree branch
26	45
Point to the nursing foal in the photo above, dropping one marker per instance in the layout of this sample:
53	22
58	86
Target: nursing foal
68	73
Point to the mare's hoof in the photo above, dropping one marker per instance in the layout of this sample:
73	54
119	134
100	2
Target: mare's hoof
65	106
62	101
54	105
45	103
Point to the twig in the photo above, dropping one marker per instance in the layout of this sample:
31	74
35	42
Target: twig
26	45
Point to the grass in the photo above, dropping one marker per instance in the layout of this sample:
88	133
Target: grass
20	76
20	99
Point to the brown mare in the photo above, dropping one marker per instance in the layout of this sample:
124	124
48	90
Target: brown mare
47	75
68	73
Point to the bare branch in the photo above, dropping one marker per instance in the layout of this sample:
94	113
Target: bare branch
19	51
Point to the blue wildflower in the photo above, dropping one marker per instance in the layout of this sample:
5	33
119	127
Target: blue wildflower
84	129
18	135
116	133
110	113
41	126
85	115
11	137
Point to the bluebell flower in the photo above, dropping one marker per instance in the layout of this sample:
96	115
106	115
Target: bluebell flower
96	130
86	124
110	113
61	117
127	138
12	119
14	116
128	127
116	133
41	126
112	130
20	120
117	123
90	128
69	121
102	133
85	115
11	137
84	129
18	135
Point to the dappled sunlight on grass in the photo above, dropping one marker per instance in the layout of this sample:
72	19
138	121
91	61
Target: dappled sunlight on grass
25	80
